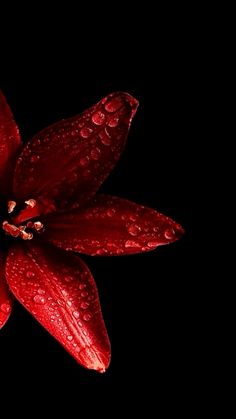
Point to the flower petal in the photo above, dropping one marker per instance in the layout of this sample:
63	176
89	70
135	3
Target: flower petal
68	161
59	291
111	226
9	143
5	295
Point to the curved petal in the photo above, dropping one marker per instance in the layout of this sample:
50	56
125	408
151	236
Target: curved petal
111	226
5	295
68	161
9	143
59	291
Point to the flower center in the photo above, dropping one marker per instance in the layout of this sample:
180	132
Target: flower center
18	222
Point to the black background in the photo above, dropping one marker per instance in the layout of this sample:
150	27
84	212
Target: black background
147	300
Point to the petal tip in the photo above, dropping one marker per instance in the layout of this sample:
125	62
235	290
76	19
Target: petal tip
95	360
115	100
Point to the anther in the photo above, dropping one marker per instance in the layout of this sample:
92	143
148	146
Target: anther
38	225
26	236
10	229
11	205
31	203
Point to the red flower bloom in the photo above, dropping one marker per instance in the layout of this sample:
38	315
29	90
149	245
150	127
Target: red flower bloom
48	201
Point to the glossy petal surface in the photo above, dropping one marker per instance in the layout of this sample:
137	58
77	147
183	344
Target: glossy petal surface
9	144
66	163
111	226
5	296
59	291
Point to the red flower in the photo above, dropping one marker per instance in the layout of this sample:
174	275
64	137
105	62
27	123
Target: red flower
48	201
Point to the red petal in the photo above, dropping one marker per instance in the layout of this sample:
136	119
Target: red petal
59	291
68	161
9	143
5	296
111	226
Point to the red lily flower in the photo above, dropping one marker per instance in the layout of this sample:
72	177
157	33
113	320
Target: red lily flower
48	201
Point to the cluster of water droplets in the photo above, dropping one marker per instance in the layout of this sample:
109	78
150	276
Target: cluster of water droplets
83	146
62	298
119	227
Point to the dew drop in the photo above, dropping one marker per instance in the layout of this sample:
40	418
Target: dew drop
39	299
113	122
84	161
82	286
95	153
34	159
98	118
69	337
134	229
111	212
87	317
69	303
68	278
169	234
41	291
104	137
153	243
113	105
84	294
85	132
5	308
131	243
84	305
30	274
76	314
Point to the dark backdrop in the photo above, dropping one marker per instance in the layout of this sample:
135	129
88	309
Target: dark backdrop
146	299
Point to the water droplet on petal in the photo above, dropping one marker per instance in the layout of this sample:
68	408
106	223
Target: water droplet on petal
153	243
69	278
98	118
76	314
113	105
111	212
104	137
131	243
85	132
113	122
34	159
84	161
134	229
39	299
5	308
95	153
82	286
41	291
169	234
69	303
84	305
84	294
30	274
87	317
69	337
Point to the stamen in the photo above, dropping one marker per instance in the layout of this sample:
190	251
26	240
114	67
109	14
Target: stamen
16	230
38	225
31	203
26	236
10	229
11	205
